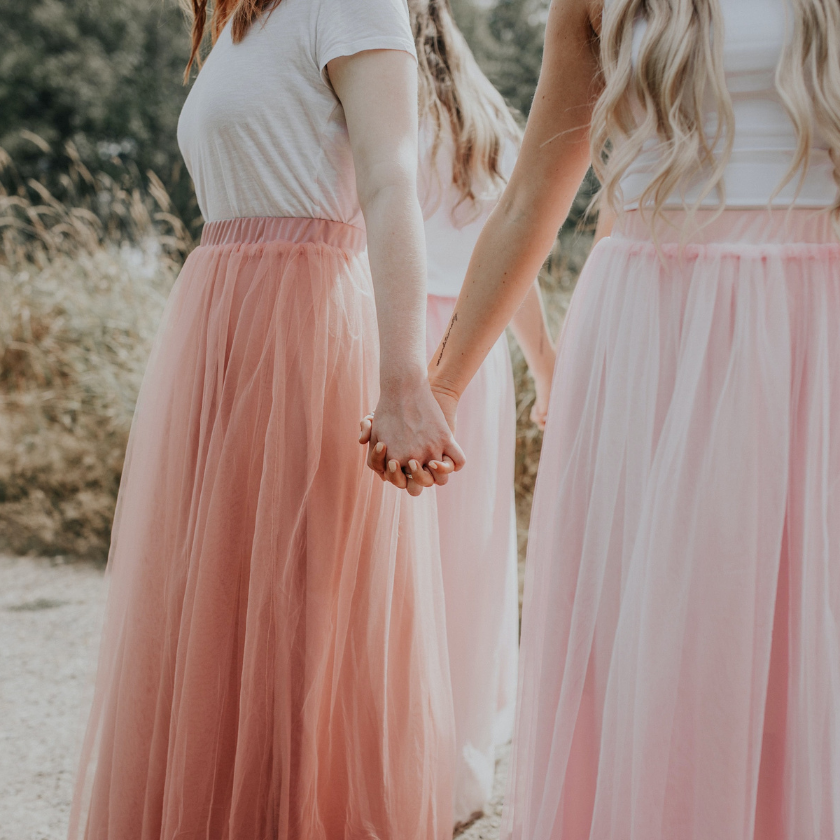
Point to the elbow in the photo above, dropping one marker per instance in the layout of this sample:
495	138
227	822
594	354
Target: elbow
387	182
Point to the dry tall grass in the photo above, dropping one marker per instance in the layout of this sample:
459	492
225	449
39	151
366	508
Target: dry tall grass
82	286
83	282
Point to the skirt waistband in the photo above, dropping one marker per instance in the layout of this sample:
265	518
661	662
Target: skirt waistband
262	229
737	228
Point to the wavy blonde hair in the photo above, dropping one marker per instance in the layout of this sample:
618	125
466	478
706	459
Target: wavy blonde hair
457	97
663	96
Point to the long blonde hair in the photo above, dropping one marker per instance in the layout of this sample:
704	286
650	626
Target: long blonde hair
457	97
664	96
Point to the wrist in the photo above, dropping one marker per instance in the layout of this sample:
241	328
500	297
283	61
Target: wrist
543	367
396	380
444	387
542	378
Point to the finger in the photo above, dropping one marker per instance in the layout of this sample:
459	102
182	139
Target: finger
376	457
420	475
440	471
456	454
413	488
395	475
538	416
365	426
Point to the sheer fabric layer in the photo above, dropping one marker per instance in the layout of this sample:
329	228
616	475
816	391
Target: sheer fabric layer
480	576
680	672
274	658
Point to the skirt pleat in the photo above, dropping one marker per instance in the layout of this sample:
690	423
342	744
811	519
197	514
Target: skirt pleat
480	573
274	657
680	671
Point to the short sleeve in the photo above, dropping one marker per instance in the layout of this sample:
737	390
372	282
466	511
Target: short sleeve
347	27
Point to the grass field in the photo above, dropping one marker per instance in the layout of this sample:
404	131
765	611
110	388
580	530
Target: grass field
83	283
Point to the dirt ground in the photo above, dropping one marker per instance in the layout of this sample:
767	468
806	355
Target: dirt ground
50	617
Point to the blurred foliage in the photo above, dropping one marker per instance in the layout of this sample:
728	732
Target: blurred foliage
103	75
507	40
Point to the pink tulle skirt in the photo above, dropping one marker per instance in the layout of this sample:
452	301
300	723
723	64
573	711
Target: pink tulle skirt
680	674
274	660
480	580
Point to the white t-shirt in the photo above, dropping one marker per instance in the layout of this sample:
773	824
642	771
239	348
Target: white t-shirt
765	138
448	245
262	131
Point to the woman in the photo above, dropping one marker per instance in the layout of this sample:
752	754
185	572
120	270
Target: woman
680	673
274	660
468	144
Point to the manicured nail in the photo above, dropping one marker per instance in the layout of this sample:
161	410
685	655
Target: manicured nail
392	466
434	465
379	448
415	467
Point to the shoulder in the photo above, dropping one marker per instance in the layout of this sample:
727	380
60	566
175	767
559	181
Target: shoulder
347	27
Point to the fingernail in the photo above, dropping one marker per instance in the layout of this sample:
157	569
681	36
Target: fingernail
392	466
414	466
379	448
434	465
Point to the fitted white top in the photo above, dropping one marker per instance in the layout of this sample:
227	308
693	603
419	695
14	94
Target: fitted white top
765	138
262	131
452	228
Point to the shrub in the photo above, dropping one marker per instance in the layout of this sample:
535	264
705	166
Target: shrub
82	290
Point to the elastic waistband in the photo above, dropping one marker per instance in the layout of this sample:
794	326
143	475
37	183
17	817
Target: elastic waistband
263	229
738	228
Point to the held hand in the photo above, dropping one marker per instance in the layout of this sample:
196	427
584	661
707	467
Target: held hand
409	441
539	411
440	470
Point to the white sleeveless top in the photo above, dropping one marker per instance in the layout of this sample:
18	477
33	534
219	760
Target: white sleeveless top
262	131
765	138
449	240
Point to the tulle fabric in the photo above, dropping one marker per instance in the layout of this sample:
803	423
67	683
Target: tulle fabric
274	658
479	559
680	674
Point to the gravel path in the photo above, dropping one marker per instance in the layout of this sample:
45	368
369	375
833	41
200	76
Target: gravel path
50	618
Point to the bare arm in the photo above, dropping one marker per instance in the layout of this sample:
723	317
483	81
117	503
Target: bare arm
522	229
378	90
531	331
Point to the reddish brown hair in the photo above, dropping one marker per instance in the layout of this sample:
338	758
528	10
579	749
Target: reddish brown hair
242	13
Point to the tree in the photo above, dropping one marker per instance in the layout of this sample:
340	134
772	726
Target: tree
507	40
102	74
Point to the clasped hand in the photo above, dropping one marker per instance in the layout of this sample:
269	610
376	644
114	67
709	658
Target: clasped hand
410	439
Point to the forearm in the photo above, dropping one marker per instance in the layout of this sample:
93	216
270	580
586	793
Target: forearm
398	265
520	232
531	331
509	254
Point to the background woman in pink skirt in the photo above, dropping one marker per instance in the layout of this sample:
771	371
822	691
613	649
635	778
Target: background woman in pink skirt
680	674
468	145
274	660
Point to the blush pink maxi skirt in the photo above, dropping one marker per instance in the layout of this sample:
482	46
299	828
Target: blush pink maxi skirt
680	675
480	575
273	663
